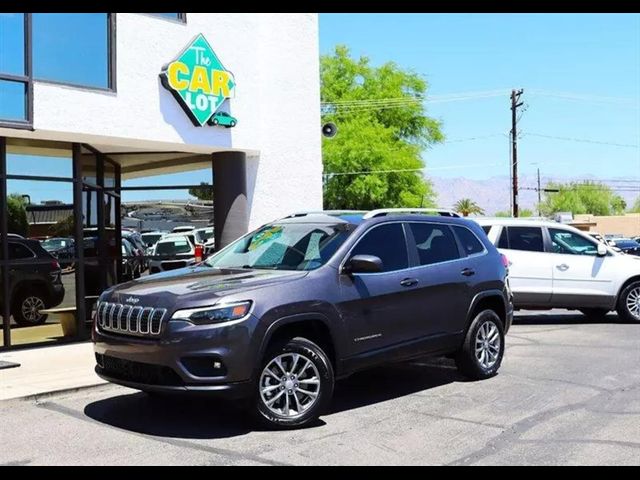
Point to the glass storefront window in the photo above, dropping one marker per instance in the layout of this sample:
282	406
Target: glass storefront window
13	100
89	162
109	174
12	43
41	259
59	56
51	159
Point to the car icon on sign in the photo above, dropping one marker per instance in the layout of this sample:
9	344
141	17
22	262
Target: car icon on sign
223	119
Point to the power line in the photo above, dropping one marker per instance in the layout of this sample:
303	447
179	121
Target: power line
582	140
447	167
446	96
628	102
364	172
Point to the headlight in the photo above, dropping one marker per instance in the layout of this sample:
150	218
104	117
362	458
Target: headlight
214	314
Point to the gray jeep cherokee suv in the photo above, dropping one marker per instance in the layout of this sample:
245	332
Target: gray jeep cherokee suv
280	314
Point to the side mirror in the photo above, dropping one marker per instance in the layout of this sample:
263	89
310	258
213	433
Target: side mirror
363	264
602	250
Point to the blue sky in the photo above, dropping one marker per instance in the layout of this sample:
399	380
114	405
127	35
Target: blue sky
580	74
582	56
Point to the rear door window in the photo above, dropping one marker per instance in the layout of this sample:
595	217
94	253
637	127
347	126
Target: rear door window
434	242
18	251
527	239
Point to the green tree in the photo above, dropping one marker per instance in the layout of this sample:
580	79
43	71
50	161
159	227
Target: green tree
17	214
582	197
467	207
376	135
618	205
636	206
522	213
63	228
202	193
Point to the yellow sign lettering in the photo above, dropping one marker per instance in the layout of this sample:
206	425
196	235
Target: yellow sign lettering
220	83
199	80
175	82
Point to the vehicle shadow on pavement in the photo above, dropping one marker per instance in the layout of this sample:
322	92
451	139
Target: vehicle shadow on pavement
569	318
172	416
393	381
201	418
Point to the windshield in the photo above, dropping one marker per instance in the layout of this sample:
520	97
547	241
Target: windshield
151	238
293	246
173	247
55	243
203	235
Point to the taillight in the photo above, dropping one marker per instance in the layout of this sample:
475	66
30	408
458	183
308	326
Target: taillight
505	260
55	265
199	251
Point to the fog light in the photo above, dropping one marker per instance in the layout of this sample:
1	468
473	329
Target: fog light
204	366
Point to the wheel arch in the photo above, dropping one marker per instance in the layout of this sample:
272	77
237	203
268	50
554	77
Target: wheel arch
312	325
34	285
630	280
492	299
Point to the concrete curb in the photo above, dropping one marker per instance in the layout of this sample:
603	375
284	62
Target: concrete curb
62	391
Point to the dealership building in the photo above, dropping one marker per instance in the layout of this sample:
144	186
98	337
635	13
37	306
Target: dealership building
98	106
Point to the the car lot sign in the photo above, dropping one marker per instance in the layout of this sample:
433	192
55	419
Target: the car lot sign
198	81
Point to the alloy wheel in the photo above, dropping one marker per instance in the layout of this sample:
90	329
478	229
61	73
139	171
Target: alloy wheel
289	385
31	307
487	344
633	302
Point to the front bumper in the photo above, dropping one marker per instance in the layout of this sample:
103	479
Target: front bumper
236	390
185	358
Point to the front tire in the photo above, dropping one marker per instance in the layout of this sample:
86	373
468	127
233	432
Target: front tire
629	303
481	353
295	385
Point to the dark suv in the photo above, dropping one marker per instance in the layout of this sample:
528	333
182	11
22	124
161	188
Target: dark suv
34	281
281	313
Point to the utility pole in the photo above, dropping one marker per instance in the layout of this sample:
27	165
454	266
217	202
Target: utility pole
539	197
515	95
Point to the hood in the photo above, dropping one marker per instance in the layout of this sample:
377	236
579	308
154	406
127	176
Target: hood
193	284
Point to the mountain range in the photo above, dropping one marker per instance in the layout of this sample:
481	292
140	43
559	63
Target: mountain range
493	194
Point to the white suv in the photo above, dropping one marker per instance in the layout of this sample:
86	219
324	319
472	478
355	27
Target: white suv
553	265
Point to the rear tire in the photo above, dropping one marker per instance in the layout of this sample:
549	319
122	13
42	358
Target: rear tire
481	353
629	303
295	385
26	306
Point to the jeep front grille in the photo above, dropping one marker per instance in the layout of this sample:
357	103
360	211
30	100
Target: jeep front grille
130	320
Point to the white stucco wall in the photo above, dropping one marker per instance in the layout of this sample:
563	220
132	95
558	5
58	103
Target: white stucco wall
274	58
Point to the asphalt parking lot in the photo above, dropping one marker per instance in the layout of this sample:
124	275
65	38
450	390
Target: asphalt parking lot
568	393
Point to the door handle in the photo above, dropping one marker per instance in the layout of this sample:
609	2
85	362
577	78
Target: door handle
409	282
467	272
562	267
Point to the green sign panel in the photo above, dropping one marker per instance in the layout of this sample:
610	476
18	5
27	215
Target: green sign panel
200	84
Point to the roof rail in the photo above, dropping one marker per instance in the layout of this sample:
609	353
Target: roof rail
386	211
324	212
